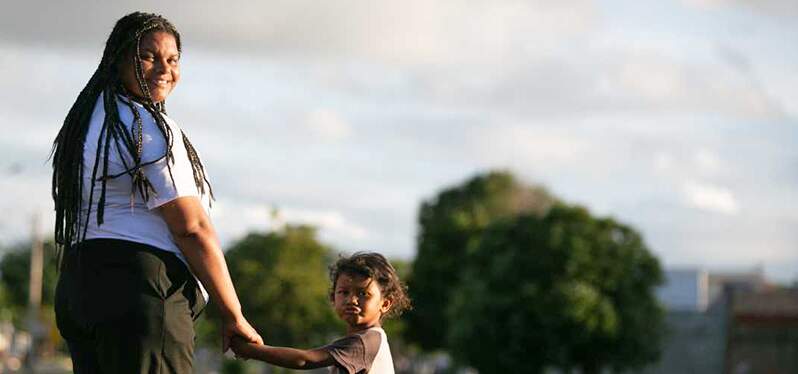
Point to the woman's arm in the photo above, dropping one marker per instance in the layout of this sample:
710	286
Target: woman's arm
195	236
291	358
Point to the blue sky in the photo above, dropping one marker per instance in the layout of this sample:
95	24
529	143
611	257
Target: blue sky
677	117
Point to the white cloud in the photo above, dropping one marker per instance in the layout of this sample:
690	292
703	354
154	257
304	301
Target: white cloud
328	125
707	161
408	32
656	81
527	145
780	8
334	221
711	198
236	218
663	161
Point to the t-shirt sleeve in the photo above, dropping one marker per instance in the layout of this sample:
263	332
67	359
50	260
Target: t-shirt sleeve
355	353
169	181
173	180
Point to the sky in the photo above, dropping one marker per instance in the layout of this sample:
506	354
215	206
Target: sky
678	117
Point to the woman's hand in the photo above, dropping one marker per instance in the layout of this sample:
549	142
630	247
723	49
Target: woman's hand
195	236
238	328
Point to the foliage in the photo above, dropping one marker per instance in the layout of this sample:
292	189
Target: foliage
565	290
449	227
281	280
14	290
15	275
396	328
7	310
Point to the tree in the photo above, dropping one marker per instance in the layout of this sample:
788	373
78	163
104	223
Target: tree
565	290
450	225
15	273
14	290
281	280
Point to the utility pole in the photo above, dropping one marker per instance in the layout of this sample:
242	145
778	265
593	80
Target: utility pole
36	265
35	289
277	221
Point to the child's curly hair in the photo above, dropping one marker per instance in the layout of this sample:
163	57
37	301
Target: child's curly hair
373	265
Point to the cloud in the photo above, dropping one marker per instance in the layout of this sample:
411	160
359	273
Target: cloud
775	8
543	146
236	218
411	32
25	193
711	198
328	125
707	161
657	82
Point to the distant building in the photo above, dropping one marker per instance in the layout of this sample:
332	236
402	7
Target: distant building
709	324
763	332
720	283
685	290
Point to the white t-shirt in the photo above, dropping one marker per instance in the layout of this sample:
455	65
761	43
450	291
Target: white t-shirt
127	216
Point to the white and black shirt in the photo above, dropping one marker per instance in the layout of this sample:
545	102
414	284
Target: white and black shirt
365	352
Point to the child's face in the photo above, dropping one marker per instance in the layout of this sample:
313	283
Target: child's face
359	302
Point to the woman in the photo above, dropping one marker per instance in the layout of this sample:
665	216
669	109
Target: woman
131	196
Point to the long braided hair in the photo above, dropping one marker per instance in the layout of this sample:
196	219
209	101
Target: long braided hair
68	147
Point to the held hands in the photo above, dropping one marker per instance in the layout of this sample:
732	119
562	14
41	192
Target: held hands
240	329
240	347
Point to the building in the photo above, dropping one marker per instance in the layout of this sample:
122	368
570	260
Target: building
735	323
763	332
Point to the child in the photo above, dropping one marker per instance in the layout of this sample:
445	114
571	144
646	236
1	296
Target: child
365	288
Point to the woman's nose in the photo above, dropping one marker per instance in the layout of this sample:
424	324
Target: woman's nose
161	66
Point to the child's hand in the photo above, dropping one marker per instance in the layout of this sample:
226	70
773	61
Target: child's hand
240	347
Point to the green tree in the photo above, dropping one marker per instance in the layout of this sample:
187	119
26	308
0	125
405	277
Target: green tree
14	279
7	311
15	273
566	290
450	225
281	280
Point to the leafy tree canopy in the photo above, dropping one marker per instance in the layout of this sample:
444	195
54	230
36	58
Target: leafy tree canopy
281	280
15	273
450	225
565	290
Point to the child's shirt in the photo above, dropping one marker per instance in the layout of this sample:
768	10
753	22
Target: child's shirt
365	352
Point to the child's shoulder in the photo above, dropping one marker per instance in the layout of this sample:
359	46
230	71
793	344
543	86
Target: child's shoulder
369	339
374	337
358	351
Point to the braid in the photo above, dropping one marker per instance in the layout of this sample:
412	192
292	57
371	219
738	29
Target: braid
68	147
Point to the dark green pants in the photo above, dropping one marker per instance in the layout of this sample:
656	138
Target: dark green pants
125	307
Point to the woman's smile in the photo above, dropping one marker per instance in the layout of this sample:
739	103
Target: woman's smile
160	67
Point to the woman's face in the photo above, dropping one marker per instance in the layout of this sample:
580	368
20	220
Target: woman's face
160	64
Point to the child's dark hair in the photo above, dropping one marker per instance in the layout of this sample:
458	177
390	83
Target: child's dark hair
373	265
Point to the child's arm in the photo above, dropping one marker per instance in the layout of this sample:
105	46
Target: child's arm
291	358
